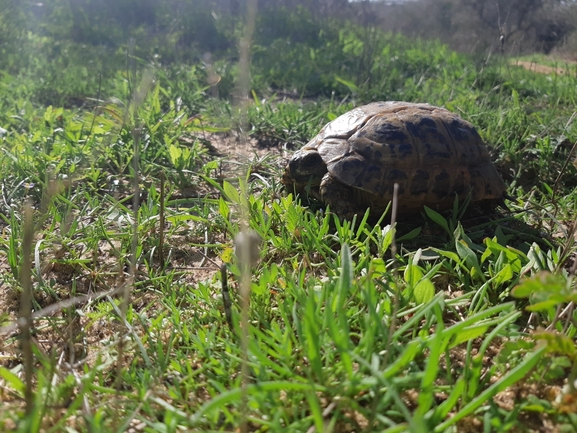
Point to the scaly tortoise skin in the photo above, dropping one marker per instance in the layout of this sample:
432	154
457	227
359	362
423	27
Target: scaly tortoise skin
433	154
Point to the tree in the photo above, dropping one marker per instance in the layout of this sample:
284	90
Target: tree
508	18
511	26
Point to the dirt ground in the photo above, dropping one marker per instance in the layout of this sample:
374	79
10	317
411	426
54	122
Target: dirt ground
571	67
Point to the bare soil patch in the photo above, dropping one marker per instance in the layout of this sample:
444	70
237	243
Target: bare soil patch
544	69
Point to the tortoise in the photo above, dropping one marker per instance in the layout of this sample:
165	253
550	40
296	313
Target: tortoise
430	152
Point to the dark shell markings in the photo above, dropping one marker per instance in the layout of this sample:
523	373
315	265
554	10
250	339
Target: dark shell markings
430	152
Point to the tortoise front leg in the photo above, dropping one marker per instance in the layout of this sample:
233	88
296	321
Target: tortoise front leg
344	201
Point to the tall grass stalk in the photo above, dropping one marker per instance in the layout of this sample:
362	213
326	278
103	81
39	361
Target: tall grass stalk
396	291
245	247
136	102
25	319
161	220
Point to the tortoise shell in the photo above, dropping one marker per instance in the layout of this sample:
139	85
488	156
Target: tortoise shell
430	152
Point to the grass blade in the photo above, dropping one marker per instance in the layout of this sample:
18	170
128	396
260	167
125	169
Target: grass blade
515	375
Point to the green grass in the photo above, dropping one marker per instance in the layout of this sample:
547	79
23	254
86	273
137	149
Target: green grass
431	325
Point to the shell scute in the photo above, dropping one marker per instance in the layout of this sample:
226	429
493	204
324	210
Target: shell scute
462	181
420	183
333	149
389	132
442	185
392	177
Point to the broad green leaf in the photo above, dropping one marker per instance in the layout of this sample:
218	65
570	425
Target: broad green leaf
175	153
312	53
486	254
388	233
259	289
537	258
412	274
48	113
378	266
211	165
502	238
227	255
554	256
173	219
515	96
514	257
558	343
350	85
504	275
412	349
553	301
13	380
541	282
417	257
468	334
448	254
470	259
424	291
399	428
438	218
231	192
223	208
411	235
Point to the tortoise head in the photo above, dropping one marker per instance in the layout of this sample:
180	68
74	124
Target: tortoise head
306	168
